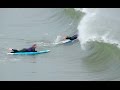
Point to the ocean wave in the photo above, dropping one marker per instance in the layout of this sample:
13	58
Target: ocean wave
99	26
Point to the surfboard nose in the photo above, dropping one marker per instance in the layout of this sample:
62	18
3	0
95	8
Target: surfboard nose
48	50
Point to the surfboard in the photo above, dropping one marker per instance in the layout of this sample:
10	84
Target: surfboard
63	42
29	53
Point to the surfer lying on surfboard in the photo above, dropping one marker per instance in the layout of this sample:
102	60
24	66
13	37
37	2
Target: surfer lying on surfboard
72	37
65	39
31	49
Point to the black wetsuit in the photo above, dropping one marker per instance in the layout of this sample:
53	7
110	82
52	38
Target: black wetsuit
31	49
73	37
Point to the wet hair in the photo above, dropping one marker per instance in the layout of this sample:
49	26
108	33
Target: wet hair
34	45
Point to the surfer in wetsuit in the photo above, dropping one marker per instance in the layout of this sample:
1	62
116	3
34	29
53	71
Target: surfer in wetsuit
72	37
31	49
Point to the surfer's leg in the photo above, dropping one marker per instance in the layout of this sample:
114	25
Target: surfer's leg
14	51
23	50
68	38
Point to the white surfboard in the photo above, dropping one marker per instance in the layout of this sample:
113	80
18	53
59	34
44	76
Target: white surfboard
63	42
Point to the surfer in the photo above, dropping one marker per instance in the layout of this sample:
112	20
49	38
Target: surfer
72	37
31	49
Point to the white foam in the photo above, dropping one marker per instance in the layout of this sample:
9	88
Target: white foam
99	26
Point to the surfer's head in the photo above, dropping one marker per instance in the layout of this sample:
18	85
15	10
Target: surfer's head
34	45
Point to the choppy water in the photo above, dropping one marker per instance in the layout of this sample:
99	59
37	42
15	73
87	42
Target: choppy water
96	56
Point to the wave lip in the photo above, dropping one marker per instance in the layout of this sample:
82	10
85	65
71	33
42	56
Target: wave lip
100	25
